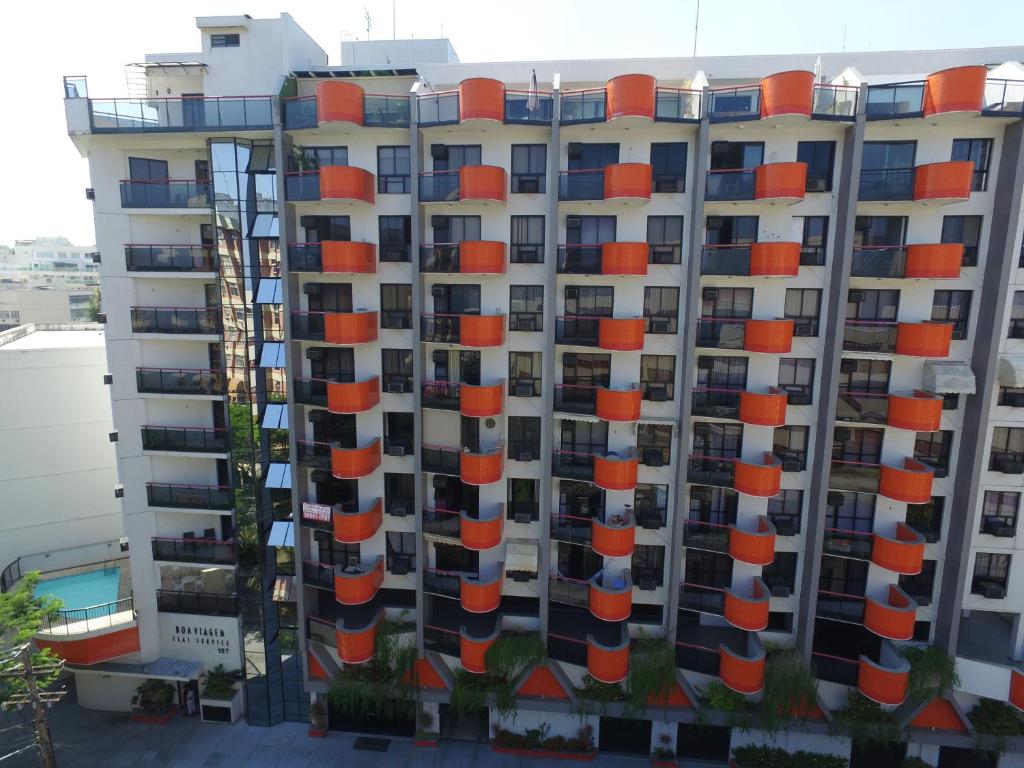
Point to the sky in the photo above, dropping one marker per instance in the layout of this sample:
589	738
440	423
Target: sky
46	177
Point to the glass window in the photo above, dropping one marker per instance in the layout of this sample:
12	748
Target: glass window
661	309
803	305
657	377
919	586
978	151
452	157
649	564
709	569
320	157
529	167
526	308
524	374
784	511
730	230
790	445
225	41
781	572
396	305
526	245
654	444
523	499
650	504
396	370
871	304
864	376
398	434
820	158
966	230
990	570
394	238
1007	453
814	243
999	512
664	239
857	445
736	155
727	302
933	448
796	377
842	576
524	438
953	307
401	551
393	170
668	167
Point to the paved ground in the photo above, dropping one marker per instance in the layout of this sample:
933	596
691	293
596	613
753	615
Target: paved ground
87	739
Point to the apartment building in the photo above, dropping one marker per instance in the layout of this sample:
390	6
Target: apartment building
718	351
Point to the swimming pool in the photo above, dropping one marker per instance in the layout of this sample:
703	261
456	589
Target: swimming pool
83	590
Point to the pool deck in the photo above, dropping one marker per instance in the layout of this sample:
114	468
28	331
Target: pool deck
96	623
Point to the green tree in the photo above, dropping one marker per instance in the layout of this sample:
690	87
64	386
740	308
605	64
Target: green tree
93	307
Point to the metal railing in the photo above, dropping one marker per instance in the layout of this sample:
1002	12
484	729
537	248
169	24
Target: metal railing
579	259
191	439
885	184
309	391
181	113
721	332
834	669
577	330
572	465
893	100
441	394
194	550
864	407
741	102
190	496
302	185
313	454
676	105
713	537
441	108
1004	97
861	477
834	102
584	184
198	603
575	398
182	320
441	460
528	107
10	576
879	261
729	259
82	620
440	186
170	258
180	381
717	402
165	193
730	184
870	336
583	106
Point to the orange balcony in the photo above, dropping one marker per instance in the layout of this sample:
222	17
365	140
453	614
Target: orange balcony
613	536
356	644
482	468
482	257
919	412
911	483
934	261
924	339
607	663
353	397
482	182
358	585
884	684
774	259
480	595
92	646
481	330
960	89
892	618
472	650
621	334
618	404
482	401
353	463
770	336
759	479
749	612
787	93
346	182
753	547
947	182
742	673
350	327
766	409
624	258
780	182
482	532
616	473
627	181
354	527
343	257
1017	688
611	602
481	98
339	102
630	96
902	553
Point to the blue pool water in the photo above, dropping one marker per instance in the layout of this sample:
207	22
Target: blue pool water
83	590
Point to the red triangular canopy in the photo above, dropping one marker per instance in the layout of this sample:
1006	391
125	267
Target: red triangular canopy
543	684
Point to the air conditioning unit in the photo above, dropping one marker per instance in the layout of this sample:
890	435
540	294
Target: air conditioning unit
785	527
526	323
1008	466
647	580
396	386
396	450
439	357
90	193
522	517
799	398
101	318
437	290
311	289
524	389
528	253
439	151
95	256
401	564
529	184
702	429
123	543
842	435
848	365
700	493
108	378
314	353
816	184
573	222
524	456
118	491
657	393
1014	399
780	590
399	508
660	325
857	296
654	457
440	482
439	222
112	437
994	526
792	465
318	417
392	320
835	499
993	591
575	150
803	329
705	363
710	294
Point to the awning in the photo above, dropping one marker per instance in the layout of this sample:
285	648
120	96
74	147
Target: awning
275	416
163	668
1011	371
268	291
867	355
272	355
521	555
282	534
278	475
948	377
576	417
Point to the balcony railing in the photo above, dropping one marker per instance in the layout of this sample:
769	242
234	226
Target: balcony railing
840	606
844	543
528	107
438	521
575	398
165	193
834	669
309	391
886	184
721	332
586	184
188	439
725	260
711	470
579	260
441	460
302	185
879	261
574	529
713	537
698	597
176	320
1004	97
170	258
299	112
440	108
441	394
583	106
572	465
314	455
184	496
731	184
198	603
439	186
861	477
834	102
529	322
863	407
893	100
95	617
870	336
577	330
182	113
179	381
194	550
676	105
716	403
565	589
317	574
739	103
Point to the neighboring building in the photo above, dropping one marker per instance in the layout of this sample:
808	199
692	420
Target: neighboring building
36	301
618	356
53	254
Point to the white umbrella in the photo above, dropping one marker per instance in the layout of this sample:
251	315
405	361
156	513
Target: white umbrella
818	74
532	101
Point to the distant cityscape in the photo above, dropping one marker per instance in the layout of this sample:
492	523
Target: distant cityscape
47	280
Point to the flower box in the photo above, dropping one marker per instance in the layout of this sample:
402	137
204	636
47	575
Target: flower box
217	710
543	754
318	733
138	716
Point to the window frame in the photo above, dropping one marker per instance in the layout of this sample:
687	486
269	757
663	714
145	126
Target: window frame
385	180
517	176
825	174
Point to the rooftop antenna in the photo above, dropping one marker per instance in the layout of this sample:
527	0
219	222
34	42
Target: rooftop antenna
366	14
844	38
696	22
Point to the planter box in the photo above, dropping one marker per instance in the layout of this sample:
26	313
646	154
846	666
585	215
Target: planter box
224	711
429	743
543	754
142	717
318	733
657	762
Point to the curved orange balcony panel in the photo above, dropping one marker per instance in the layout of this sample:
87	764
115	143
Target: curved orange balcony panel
481	330
774	259
616	473
356	646
780	181
960	89
480	596
743	674
621	334
753	547
348	258
482	533
886	685
949	181
924	339
894	618
482	182
911	483
354	527
353	463
771	336
481	98
902	553
766	409
95	647
934	261
339	102
759	479
482	257
631	96
608	664
618	404
482	468
352	588
611	538
472	651
787	93
350	327
624	258
919	412
627	181
346	182
354	397
611	603
749	613
480	402
1017	688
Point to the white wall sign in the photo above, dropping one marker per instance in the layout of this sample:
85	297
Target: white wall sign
210	640
316	513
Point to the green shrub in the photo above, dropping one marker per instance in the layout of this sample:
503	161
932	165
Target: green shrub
772	757
220	684
154	697
915	762
724	699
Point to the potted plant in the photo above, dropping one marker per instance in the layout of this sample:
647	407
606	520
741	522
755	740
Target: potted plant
153	702
221	699
663	756
537	744
318	719
426	736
